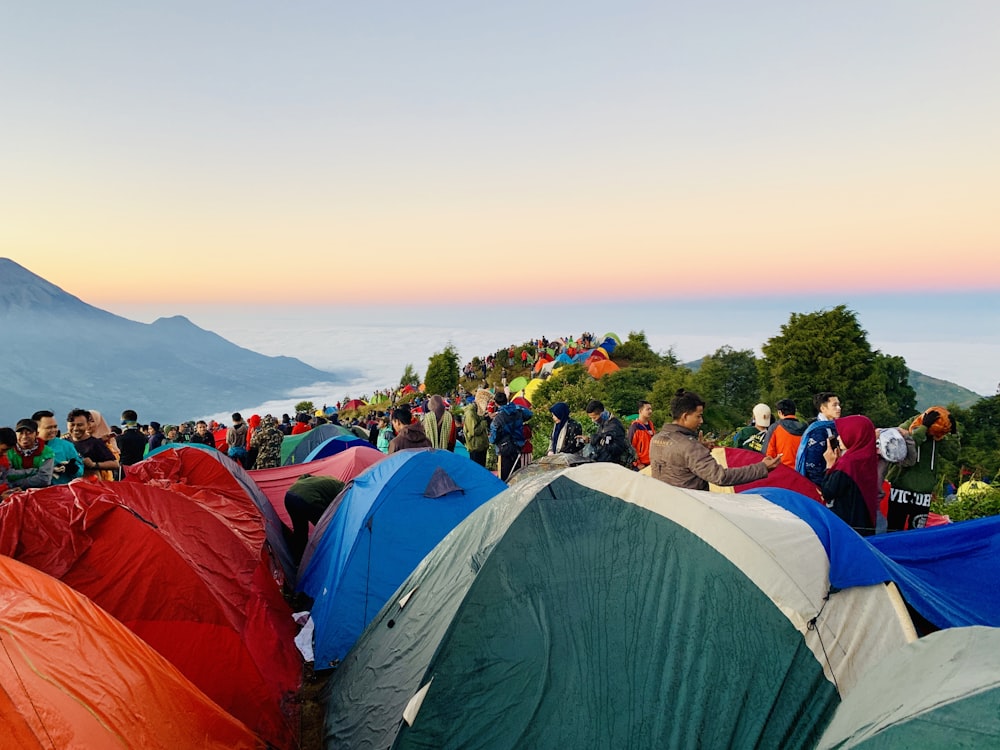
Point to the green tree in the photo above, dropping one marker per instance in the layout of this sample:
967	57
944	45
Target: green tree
624	389
637	351
729	383
305	407
409	377
442	371
979	430
900	400
827	351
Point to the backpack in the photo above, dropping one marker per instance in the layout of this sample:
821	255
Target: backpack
509	434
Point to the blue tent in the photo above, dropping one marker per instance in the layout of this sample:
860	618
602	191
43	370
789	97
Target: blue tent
385	523
333	446
949	574
308	441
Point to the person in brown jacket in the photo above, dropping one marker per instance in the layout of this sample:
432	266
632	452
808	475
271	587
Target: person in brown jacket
409	434
680	456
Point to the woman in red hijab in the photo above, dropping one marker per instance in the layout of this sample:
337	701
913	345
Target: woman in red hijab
851	486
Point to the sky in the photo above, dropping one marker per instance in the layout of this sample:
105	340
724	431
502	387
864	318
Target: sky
182	153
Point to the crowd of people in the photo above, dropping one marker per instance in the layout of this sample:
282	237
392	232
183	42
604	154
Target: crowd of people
845	457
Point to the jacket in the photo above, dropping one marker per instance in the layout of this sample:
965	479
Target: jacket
477	436
784	437
411	436
678	458
609	442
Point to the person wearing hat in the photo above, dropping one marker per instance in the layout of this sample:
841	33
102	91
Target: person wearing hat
751	437
31	461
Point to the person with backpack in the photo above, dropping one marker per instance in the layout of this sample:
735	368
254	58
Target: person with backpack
809	461
752	436
609	444
640	432
507	433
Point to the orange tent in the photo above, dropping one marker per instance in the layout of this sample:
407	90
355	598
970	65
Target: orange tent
181	576
73	676
601	367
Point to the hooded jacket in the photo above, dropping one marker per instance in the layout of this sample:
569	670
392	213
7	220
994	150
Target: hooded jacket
678	458
411	436
784	437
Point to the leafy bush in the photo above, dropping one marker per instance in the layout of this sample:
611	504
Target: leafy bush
973	505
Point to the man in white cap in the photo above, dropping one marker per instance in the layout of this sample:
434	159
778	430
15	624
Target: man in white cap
751	437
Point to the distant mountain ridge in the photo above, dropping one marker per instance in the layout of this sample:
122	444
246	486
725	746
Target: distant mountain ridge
930	391
61	353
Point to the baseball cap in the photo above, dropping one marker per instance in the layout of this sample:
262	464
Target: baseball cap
762	415
26	424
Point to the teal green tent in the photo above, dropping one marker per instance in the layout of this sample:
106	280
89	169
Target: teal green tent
596	607
941	691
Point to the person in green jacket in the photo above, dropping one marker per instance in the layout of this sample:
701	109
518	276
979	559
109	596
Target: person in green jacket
476	428
306	501
935	434
32	462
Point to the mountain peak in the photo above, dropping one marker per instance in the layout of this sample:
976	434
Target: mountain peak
21	291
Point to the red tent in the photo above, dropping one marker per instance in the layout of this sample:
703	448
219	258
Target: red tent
274	483
780	476
73	676
221	484
178	574
354	403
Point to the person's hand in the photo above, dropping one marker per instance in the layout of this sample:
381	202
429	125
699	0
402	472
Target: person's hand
707	442
831	454
770	462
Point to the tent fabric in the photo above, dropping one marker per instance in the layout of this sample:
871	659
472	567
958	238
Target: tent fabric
601	367
517	384
335	445
220	483
779	476
181	575
382	526
295	448
532	387
949	574
595	607
941	691
274	483
73	676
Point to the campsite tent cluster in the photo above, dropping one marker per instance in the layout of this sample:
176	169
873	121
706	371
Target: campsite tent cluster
581	606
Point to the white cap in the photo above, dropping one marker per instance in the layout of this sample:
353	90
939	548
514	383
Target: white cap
762	415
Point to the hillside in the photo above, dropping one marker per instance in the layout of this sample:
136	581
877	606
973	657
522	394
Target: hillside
61	353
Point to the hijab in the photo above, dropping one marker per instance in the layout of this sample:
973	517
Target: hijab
859	460
560	410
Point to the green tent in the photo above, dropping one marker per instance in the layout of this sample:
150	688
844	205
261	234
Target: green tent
595	607
941	691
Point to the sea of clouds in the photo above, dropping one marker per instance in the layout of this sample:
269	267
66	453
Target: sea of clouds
366	348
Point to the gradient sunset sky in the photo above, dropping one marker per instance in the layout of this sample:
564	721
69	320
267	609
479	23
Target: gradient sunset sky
215	151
